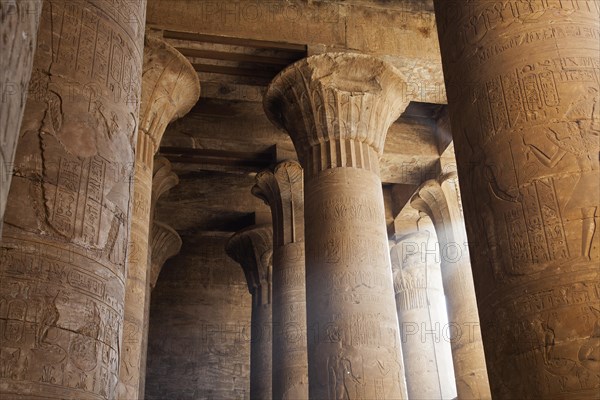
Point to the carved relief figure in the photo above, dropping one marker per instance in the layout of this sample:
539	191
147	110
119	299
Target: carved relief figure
48	317
589	352
339	369
577	135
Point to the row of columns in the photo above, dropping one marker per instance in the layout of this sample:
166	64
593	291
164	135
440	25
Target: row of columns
418	288
337	108
352	345
522	93
81	250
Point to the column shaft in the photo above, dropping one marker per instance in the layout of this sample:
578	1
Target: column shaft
19	21
441	203
62	258
283	190
170	88
353	345
252	248
419	302
137	280
290	363
261	349
523	93
337	109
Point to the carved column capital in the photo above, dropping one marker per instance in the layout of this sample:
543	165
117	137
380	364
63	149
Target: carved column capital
282	189
252	248
163	179
170	88
409	266
431	200
165	243
337	108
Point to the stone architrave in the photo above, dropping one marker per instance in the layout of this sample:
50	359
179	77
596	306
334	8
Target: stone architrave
19	21
440	201
252	248
170	88
283	191
419	299
337	109
524	101
63	252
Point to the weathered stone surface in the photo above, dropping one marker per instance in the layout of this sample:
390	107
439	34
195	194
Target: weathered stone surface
337	109
170	88
440	201
283	190
68	213
402	31
523	97
252	248
199	341
19	22
421	314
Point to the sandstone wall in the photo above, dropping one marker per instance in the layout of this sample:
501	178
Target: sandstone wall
199	339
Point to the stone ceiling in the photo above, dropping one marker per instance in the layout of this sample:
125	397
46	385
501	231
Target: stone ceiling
237	47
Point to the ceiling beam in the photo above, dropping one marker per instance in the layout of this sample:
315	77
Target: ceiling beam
238	57
259	44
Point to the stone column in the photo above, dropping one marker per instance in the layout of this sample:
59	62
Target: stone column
62	257
19	20
252	248
170	88
523	93
164	243
419	300
283	191
337	109
440	201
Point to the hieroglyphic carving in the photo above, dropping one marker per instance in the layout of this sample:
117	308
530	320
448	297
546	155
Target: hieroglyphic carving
439	199
337	109
63	254
417	283
170	88
18	33
532	188
326	105
283	191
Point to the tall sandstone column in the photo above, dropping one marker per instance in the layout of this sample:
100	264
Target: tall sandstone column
337	109
523	93
170	88
440	201
62	258
419	302
164	243
19	21
283	190
252	248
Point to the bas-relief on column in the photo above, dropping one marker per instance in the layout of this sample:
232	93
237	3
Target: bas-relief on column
283	191
170	88
337	109
252	248
523	92
19	22
440	201
62	257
